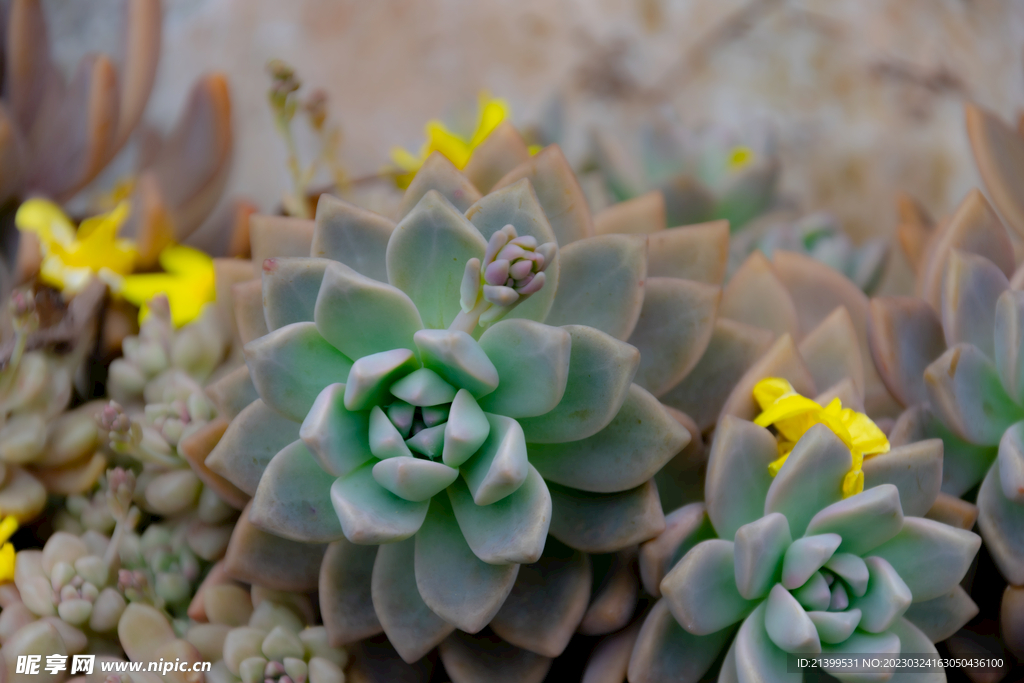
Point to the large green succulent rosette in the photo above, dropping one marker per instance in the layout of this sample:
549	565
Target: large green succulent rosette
770	567
408	402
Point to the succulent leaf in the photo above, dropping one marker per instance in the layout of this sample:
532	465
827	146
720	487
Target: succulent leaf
864	521
738	477
605	522
971	287
290	289
665	650
811	478
414	479
458	358
941	617
915	470
465	431
930	557
532	367
336	437
1008	342
788	625
760	548
904	335
1000	520
500	467
347	605
351	235
251	440
701	590
440	175
886	599
369	513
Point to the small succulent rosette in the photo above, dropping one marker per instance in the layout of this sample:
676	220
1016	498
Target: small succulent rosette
454	388
786	564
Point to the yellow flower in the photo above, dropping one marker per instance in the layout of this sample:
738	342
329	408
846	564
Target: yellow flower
740	157
188	283
792	415
71	258
7	528
440	139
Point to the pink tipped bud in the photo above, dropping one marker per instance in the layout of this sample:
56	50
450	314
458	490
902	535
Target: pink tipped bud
112	418
496	273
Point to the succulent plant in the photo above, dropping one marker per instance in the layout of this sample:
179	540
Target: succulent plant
385	377
159	568
805	569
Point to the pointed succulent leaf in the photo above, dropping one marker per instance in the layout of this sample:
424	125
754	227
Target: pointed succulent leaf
512	530
782	359
1000	521
756	296
967	395
251	440
810	479
458	359
232	392
999	154
601	284
500	467
701	589
738	479
601	369
1011	463
756	656
731	351
559	193
411	627
279	236
666	651
499	153
884	646
640	215
1008	342
851	569
673	330
293	499
458	586
361	316
788	625
638	441
465	431
815	594
805	556
423	387
414	479
532	367
547	603
345	596
369	513
915	470
941	617
912	639
684	528
835	627
427	255
292	365
760	548
352	235
370	379
429	441
276	563
385	440
832	353
886	599
290	289
615	596
864	521
695	252
904	335
971	287
605	522
929	556
337	437
439	174
249	317
486	657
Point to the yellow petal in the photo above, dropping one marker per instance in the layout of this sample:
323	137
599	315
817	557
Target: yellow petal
440	139
770	390
7	527
853	483
46	220
786	408
492	113
7	560
740	157
188	284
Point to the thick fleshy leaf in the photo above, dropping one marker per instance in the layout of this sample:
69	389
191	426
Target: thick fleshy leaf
465	431
458	359
512	530
499	153
701	589
805	556
673	330
292	365
251	440
517	205
912	639
693	252
832	353
500	467
423	387
941	617
756	657
815	594
638	441
249	317
886	599
532	362
835	627
427	257
614	597
971	287
486	657
851	569
375	660
904	335
783	360
601	284
1011	463
370	379
559	193
345	592
999	154
290	289
293	499
929	556
811	478
605	522
232	392
439	174
883	646
369	513
684	528
410	625
196	447
642	215
1008	342
384	439
278	236
760	548
458	586
361	316
601	370
429	441
738	479
665	651
254	556
757	297
547	602
337	437
609	660
352	235
414	479
864	521
731	351
966	393
954	511
1000	521
915	470
788	625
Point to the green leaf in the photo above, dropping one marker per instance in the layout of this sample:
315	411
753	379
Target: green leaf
412	478
352	235
886	599
787	625
605	522
458	359
811	478
251	440
760	547
337	437
701	589
500	466
665	651
290	288
531	361
738	479
864	521
370	514
929	556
